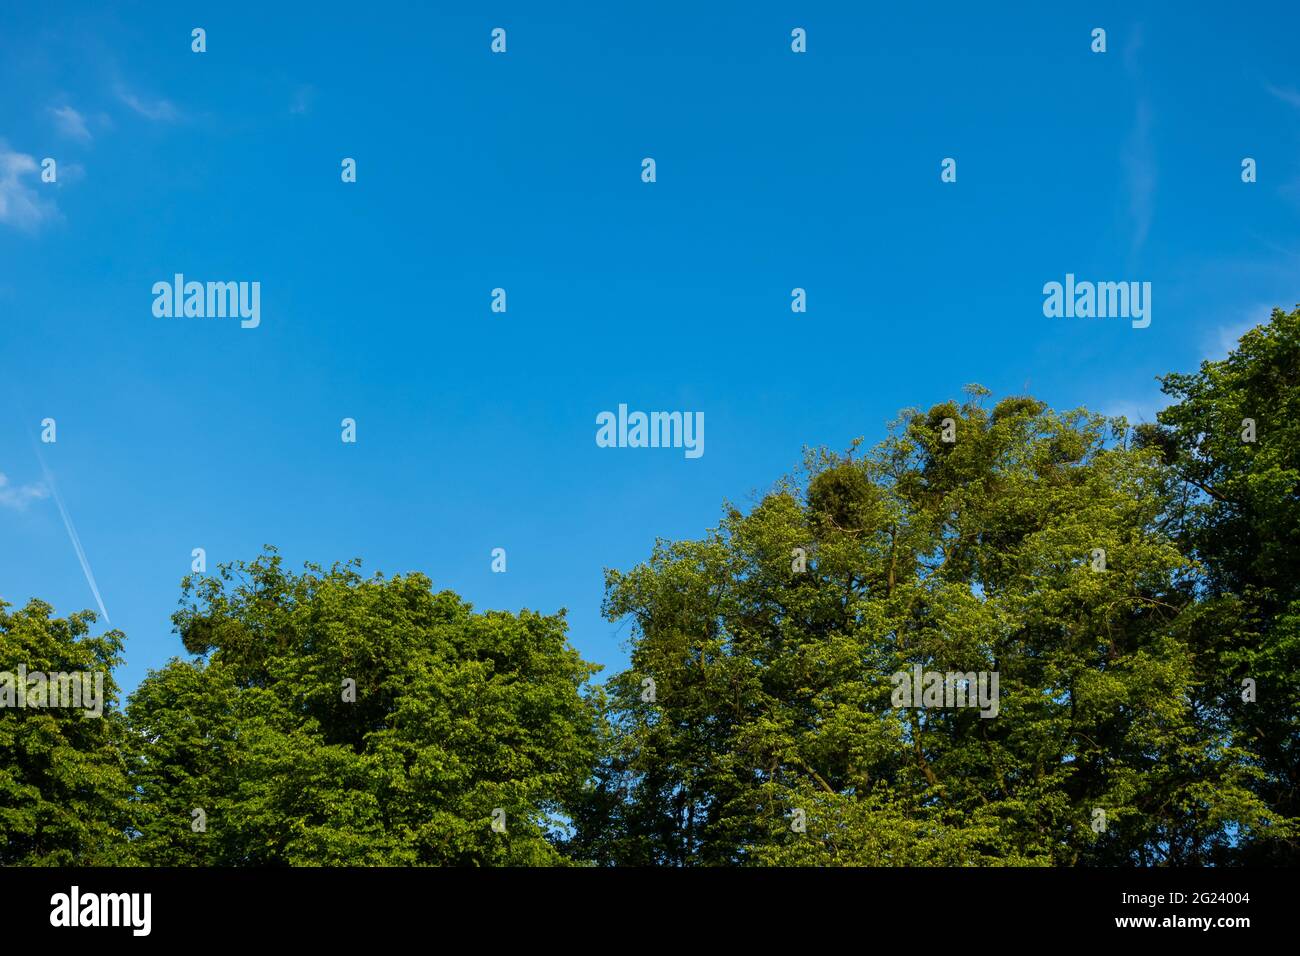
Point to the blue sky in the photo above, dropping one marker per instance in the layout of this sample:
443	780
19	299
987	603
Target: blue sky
476	430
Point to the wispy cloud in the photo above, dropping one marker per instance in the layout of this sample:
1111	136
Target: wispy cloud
71	123
76	541
1287	94
1132	47
1138	410
19	496
70	173
1223	338
1138	152
1216	342
302	99
161	111
1140	175
20	205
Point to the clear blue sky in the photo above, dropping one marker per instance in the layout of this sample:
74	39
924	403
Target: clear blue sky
477	430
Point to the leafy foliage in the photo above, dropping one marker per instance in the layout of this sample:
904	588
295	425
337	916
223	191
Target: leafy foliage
1128	587
1239	515
772	684
456	714
64	786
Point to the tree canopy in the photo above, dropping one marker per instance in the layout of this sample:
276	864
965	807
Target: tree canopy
335	719
64	788
1108	618
1034	545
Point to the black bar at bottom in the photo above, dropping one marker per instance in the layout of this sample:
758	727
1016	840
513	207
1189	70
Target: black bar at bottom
593	907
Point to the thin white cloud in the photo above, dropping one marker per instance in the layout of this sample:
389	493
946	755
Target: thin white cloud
76	541
19	497
160	111
71	123
1223	338
302	99
1135	39
70	173
1140	174
1137	411
1286	94
1216	343
1138	152
20	205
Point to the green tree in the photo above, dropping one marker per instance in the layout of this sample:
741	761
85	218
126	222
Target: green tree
1232	438
64	787
456	715
772	684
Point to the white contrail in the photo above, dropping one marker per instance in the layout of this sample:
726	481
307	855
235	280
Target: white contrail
76	541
